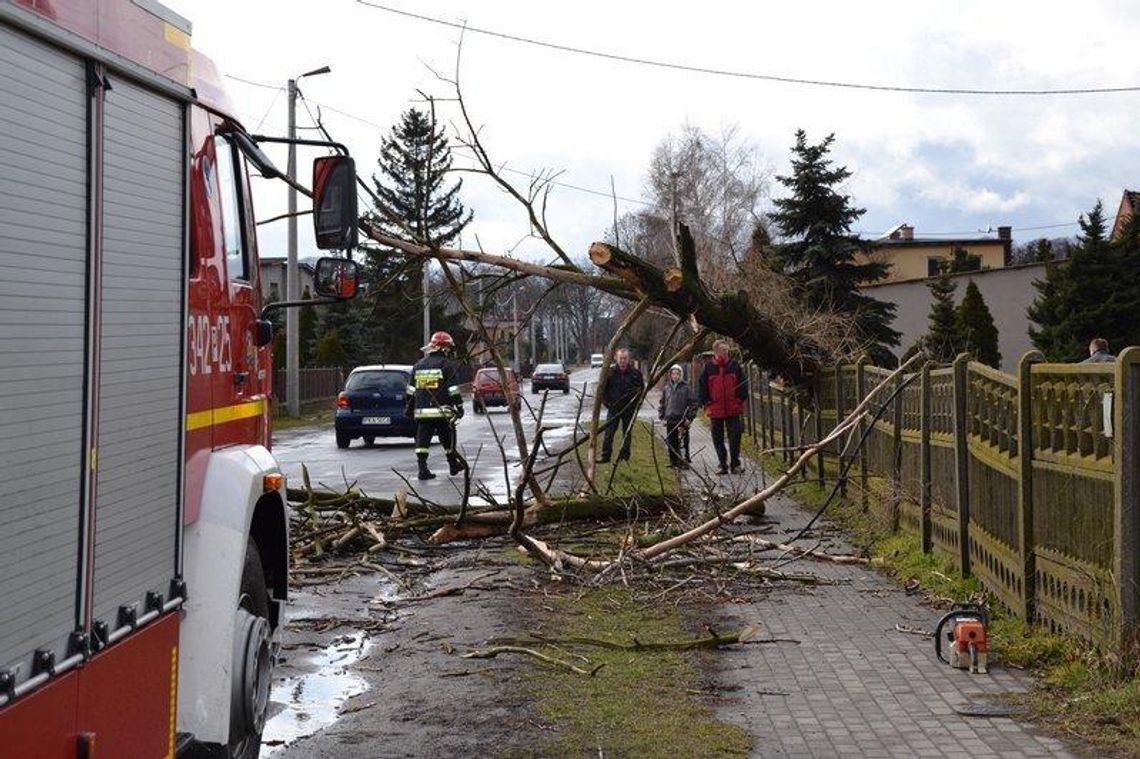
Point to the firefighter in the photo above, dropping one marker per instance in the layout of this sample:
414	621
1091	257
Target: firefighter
433	400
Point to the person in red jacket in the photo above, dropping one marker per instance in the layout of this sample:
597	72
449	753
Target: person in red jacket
722	390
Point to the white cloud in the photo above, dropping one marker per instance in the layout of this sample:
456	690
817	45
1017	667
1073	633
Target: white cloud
932	159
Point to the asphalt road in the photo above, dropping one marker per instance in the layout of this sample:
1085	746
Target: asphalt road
376	470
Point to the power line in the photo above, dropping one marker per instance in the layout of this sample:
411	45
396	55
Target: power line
255	84
655	63
602	193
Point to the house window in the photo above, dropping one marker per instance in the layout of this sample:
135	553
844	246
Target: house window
933	266
274	293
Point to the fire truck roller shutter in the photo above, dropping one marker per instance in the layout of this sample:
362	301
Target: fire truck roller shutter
43	251
142	337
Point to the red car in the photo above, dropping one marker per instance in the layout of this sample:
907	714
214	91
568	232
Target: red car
487	390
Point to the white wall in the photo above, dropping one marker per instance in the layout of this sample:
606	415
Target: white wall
1007	292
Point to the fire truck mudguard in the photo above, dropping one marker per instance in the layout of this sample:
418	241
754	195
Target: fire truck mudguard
212	664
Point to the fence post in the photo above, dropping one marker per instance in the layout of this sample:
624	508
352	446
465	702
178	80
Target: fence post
772	413
789	426
896	457
1025	542
962	468
1126	429
924	453
765	411
839	418
861	393
820	461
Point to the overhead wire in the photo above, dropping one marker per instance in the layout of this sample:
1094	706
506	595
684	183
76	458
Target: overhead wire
460	151
663	64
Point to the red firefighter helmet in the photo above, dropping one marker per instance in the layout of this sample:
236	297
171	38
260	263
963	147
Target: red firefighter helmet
440	340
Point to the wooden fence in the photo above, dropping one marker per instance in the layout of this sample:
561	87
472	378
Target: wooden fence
1031	483
315	384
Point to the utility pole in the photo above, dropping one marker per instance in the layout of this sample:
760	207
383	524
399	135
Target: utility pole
292	280
427	301
515	324
292	275
533	342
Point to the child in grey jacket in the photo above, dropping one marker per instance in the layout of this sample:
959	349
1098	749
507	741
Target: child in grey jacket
677	408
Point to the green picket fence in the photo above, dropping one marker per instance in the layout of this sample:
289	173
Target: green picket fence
1031	482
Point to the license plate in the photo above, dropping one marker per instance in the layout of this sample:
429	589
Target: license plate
377	420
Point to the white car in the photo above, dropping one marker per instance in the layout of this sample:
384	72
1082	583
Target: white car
596	360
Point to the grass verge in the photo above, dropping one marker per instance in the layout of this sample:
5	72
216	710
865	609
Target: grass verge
1078	692
312	414
646	472
639	703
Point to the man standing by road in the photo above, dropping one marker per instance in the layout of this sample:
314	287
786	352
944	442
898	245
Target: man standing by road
722	390
622	396
433	400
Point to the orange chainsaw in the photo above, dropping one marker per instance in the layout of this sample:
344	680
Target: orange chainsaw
965	631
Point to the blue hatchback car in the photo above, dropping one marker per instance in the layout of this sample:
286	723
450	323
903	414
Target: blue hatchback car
372	404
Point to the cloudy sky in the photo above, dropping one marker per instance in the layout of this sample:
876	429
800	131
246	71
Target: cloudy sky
945	163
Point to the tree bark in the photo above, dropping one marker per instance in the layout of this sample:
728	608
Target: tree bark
490	523
734	315
679	290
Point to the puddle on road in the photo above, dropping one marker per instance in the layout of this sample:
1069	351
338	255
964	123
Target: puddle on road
311	701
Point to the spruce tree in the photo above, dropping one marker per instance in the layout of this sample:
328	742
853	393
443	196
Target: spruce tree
976	328
1077	299
414	186
307	320
964	260
943	340
819	250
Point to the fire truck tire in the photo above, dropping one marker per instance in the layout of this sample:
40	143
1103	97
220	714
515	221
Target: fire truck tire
342	440
252	652
253	667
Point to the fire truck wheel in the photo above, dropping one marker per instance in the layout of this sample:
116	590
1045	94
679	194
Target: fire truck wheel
253	669
253	661
342	440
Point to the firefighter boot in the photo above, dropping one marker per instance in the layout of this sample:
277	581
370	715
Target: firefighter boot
425	473
456	463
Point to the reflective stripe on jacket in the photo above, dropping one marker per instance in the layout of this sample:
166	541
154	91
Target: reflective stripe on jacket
434	390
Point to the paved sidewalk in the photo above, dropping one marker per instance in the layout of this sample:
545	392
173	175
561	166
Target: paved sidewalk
854	686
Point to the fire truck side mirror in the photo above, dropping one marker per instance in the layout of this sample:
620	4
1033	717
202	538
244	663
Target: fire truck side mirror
334	202
262	332
336	278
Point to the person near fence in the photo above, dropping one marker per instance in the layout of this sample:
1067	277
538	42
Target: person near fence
621	396
722	390
1098	352
434	401
677	408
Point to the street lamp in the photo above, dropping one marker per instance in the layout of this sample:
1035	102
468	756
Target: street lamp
292	276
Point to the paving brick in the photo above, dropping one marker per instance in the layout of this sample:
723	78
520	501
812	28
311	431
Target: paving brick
856	687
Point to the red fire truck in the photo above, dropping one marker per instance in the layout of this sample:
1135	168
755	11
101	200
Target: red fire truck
143	525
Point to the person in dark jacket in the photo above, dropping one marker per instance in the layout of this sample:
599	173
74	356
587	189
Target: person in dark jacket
722	390
621	396
434	401
1098	352
677	408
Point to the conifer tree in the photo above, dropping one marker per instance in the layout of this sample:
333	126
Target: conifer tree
976	329
819	250
413	184
943	340
1076	300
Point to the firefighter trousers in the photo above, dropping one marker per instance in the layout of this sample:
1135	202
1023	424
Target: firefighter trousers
444	429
